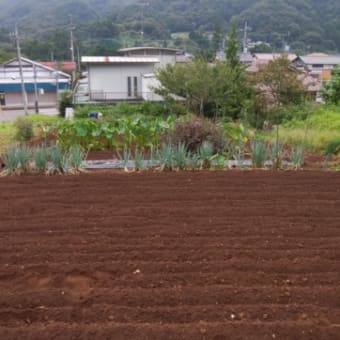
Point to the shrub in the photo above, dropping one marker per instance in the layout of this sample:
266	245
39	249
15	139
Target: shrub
194	132
24	129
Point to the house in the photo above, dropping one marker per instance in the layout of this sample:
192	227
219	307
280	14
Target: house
260	59
318	64
127	77
42	84
313	85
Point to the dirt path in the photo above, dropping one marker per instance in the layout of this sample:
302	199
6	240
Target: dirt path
229	255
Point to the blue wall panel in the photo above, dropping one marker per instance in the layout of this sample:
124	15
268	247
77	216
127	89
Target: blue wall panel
30	87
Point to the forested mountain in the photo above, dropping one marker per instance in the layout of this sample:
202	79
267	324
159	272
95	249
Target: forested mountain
103	26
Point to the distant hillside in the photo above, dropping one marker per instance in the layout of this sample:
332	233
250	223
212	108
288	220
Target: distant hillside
34	15
103	26
303	24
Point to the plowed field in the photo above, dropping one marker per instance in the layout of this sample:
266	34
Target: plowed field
226	255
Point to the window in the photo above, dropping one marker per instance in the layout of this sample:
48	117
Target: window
129	87
2	99
135	86
132	86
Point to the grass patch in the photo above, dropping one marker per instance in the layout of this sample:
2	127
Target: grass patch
320	126
8	130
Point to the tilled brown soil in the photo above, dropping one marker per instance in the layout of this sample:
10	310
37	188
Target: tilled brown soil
226	255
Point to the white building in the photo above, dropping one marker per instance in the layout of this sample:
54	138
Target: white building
129	77
117	78
41	83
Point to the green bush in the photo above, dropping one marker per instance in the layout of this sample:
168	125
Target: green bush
24	129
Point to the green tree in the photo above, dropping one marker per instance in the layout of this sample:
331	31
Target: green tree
192	81
217	37
279	84
232	48
331	89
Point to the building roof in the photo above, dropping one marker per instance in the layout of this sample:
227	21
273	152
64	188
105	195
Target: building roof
67	66
119	60
324	60
272	56
317	54
150	48
15	62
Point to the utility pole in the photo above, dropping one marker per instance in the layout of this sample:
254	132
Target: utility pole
245	38
36	95
143	4
72	51
23	90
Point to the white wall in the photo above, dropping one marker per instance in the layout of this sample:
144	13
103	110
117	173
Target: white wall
109	81
148	84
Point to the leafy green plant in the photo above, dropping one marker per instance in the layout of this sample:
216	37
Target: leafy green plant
219	161
75	158
40	156
194	160
258	153
10	160
332	148
206	153
24	129
138	160
165	157
296	156
154	156
23	155
57	159
179	156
